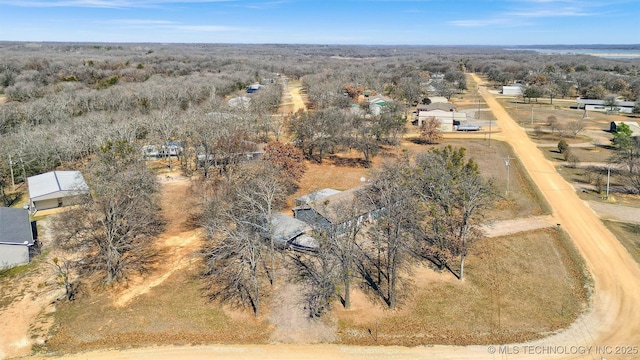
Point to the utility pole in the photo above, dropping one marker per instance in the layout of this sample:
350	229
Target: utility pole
608	176
531	114
507	162
13	183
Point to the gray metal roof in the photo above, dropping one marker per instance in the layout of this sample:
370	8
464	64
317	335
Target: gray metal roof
15	227
342	206
304	242
286	228
315	196
604	102
56	184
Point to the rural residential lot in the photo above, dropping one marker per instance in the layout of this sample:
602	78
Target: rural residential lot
259	201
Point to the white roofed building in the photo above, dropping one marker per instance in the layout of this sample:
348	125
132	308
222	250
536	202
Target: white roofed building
55	189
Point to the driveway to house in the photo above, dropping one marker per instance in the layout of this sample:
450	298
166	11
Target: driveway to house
616	212
611	321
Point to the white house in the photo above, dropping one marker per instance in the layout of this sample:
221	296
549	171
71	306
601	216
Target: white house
55	189
446	118
376	103
16	237
602	106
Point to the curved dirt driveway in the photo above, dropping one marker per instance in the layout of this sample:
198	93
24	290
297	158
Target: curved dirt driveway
611	320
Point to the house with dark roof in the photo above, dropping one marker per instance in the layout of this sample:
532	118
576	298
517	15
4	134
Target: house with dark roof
16	237
55	189
337	212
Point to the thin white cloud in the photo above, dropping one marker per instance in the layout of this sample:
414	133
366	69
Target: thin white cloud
142	22
102	3
538	9
206	28
566	12
505	22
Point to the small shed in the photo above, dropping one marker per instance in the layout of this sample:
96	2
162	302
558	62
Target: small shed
16	237
55	189
253	88
635	128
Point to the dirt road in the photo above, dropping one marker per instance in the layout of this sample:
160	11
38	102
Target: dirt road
612	318
611	321
292	100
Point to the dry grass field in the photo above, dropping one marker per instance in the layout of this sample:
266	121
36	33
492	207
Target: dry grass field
517	287
629	236
591	146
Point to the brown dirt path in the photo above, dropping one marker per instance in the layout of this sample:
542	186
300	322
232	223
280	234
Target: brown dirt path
292	100
177	243
514	226
21	321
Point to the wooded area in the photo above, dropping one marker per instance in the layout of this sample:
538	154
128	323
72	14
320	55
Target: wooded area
94	107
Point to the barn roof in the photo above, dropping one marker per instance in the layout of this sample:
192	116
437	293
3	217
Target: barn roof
56	184
15	227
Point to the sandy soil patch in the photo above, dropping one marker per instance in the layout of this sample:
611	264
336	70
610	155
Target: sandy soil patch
24	320
177	244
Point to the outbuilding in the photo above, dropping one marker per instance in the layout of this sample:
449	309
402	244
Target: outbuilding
633	126
445	118
606	106
513	90
55	189
16	237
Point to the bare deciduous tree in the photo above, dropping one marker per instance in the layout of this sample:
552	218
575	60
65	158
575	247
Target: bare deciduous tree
430	131
238	220
454	192
392	193
576	127
113	228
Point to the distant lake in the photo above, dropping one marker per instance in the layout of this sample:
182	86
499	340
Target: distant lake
600	52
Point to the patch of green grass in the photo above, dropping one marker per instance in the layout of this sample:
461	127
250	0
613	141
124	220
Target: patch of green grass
7	274
628	234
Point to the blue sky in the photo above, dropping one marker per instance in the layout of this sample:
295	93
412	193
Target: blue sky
368	22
